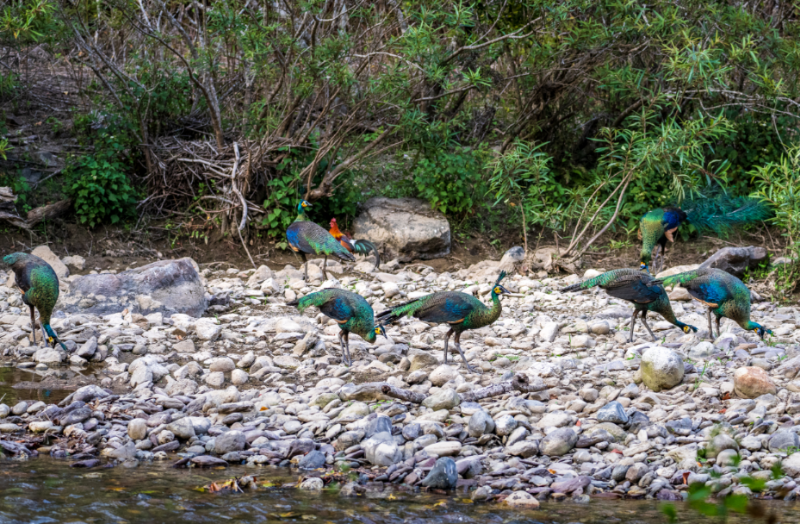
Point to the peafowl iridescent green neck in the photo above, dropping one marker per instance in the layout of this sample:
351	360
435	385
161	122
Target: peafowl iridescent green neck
485	315
301	211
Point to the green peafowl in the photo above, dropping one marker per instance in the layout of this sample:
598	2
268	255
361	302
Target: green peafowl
717	213
351	311
723	294
305	236
39	285
637	287
460	310
362	247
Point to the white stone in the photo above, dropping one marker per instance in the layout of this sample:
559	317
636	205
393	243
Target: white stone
661	368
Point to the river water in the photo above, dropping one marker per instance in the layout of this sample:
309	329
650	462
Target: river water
45	490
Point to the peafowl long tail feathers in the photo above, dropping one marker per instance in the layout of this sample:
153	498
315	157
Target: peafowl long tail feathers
723	212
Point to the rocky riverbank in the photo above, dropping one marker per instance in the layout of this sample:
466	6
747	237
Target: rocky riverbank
563	405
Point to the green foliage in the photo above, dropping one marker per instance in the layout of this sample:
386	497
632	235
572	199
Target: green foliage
102	191
522	179
778	184
99	183
700	493
451	180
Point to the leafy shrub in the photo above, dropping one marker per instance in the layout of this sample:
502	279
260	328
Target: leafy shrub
99	183
778	184
451	180
102	191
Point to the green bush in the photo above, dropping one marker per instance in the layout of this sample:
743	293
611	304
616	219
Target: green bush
102	191
451	180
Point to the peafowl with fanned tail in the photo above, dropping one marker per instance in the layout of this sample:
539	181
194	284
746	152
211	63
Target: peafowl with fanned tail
722	293
39	285
306	237
362	247
639	288
717	213
460	310
351	311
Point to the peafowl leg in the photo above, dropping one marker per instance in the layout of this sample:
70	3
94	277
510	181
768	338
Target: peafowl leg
719	331
457	342
633	323
644	321
33	326
710	330
446	345
305	263
345	348
325	265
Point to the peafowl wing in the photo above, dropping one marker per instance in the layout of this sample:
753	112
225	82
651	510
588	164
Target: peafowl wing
308	237
440	307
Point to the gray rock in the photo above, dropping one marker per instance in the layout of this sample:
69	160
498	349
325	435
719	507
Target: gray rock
167	286
720	443
229	441
315	459
4	410
207	461
736	260
76	416
523	448
126	452
381	450
443	475
407	226
558	442
444	399
89	393
480	423
661	368
782	440
88	348
137	429
727	457
182	428
49	355
505	425
379	424
612	412
312	484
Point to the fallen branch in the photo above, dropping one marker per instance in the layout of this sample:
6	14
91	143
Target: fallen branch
519	383
403	394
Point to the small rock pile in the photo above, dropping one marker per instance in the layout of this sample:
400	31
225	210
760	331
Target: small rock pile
258	384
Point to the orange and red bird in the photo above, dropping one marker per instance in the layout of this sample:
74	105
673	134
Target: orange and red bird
361	247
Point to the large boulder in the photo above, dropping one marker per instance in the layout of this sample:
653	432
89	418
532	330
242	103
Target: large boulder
406	226
167	287
736	260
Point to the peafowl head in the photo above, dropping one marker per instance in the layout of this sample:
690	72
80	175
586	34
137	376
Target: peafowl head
643	267
302	206
687	328
760	330
52	338
372	335
498	289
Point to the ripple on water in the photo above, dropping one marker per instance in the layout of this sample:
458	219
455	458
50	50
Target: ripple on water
46	490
